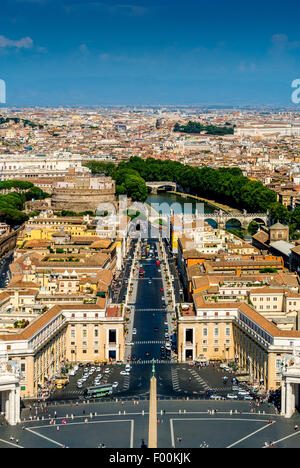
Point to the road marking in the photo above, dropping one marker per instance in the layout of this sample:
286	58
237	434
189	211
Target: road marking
44	437
81	423
172	433
216	419
287	437
131	433
10	443
250	435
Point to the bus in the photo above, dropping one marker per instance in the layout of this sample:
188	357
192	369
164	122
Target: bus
98	391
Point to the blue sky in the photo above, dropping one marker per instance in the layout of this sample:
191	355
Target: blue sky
85	52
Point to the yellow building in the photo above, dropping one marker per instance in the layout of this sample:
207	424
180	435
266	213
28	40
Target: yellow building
235	332
74	333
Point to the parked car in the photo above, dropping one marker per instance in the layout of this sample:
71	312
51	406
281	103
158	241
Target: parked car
231	396
215	397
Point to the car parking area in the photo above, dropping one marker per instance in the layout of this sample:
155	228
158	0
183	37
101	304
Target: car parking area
92	375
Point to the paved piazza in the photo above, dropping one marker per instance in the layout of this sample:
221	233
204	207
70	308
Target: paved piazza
181	424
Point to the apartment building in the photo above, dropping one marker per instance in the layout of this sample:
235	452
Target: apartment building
81	333
235	332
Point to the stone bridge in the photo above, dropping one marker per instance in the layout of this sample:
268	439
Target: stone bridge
155	186
244	218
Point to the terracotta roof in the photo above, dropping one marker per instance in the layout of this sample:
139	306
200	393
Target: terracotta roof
269	327
113	311
267	291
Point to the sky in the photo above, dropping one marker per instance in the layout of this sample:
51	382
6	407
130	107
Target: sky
149	52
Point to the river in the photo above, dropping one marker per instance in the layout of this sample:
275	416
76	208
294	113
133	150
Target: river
179	203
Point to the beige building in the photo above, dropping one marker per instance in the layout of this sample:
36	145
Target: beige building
235	332
81	194
74	333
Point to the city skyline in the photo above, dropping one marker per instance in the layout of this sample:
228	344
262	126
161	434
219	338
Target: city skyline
140	52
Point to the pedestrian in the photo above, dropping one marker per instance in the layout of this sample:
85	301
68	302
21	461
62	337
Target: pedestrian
296	427
57	428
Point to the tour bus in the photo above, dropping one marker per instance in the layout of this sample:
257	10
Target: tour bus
98	391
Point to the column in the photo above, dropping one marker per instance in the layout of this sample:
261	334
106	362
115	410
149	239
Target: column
7	406
17	404
3	402
283	398
12	409
296	395
289	401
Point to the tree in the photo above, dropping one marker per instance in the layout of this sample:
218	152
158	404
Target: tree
278	212
253	228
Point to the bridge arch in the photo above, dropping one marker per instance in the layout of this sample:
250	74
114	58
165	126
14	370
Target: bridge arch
212	222
163	185
258	221
233	223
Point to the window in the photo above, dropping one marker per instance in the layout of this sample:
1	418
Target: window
84	351
216	350
112	334
73	332
84	343
96	333
274	306
278	363
84	333
216	331
204	331
96	351
274	298
204	350
23	367
204	341
227	332
189	335
216	341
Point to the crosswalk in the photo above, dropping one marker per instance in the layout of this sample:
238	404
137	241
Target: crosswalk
175	379
199	379
126	383
149	361
149	342
150	278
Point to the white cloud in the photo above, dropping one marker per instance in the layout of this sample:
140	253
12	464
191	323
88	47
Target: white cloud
281	43
83	48
24	43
